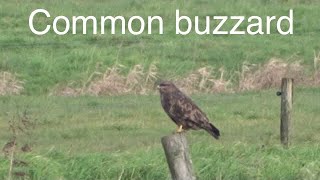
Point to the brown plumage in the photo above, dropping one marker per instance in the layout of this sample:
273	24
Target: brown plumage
183	111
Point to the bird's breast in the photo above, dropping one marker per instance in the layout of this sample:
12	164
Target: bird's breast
166	101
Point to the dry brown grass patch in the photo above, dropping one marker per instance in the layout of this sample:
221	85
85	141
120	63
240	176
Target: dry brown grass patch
142	80
9	84
111	82
206	80
257	77
316	79
114	82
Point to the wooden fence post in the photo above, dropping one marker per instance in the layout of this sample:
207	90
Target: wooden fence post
176	150
286	110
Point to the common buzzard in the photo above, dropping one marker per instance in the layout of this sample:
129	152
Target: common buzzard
185	113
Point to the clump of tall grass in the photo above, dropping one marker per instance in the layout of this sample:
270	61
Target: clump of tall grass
206	80
9	84
113	81
110	82
257	77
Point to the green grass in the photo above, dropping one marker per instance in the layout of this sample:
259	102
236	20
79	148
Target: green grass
106	138
45	61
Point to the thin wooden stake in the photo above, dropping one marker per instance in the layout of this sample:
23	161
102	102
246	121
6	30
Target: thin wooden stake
286	110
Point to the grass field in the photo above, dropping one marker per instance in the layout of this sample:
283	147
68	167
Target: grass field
45	61
119	137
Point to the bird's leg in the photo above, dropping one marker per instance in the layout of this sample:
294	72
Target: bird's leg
179	130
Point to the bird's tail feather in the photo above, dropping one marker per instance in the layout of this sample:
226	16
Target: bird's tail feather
213	131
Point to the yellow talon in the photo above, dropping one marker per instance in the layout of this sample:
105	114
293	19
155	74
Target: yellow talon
179	130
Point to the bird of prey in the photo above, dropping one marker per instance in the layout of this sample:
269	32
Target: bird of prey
183	111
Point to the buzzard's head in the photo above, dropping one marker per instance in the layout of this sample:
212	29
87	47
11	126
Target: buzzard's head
167	87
